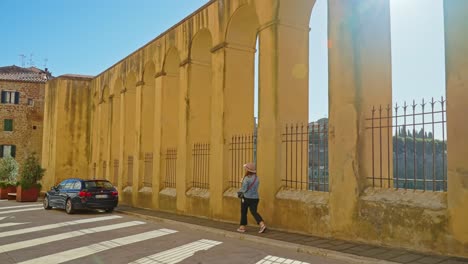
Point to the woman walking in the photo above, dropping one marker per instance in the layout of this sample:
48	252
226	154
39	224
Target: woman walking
249	198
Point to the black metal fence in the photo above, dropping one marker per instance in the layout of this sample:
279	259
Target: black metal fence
148	173
242	149
104	169
409	146
170	168
306	156
130	171
116	172
201	165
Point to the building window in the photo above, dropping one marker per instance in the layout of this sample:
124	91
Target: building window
30	102
7	151
8	125
10	97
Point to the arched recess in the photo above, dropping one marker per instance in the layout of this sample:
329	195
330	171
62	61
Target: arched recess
241	37
199	94
147	122
317	162
129	128
115	102
103	106
170	115
200	87
239	92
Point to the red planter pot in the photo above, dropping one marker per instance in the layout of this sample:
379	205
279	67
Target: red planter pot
4	192
29	195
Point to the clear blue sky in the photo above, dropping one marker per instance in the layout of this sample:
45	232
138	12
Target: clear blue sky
88	36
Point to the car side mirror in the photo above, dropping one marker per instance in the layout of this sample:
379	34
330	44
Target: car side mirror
54	188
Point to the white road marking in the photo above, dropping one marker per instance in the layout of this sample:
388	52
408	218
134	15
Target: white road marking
178	254
11	224
20	206
98	247
72	234
20	210
279	260
1	218
52	226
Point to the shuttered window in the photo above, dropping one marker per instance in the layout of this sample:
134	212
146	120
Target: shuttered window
10	97
7	151
8	125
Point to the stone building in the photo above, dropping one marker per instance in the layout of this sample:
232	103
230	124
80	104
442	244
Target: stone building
21	111
159	123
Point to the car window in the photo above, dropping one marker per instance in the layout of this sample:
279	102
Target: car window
69	184
98	184
62	185
77	185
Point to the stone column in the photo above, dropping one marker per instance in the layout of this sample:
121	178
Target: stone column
359	77
157	173
183	154
138	158
456	68
283	94
122	158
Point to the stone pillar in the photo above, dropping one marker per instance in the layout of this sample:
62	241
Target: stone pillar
283	97
122	158
456	67
138	158
108	153
183	155
157	173
359	77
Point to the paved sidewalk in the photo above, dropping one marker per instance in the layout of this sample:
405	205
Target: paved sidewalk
337	249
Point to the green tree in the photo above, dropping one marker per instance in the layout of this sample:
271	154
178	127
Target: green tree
8	171
32	172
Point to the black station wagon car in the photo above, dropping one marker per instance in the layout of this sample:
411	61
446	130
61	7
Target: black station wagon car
76	194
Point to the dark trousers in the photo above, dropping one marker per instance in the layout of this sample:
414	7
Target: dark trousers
252	204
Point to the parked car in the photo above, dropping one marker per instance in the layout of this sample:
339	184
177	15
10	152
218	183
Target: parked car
75	194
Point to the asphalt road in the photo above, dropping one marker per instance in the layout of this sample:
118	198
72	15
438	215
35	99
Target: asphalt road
30	234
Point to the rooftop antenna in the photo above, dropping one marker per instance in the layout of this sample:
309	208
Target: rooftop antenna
22	56
45	63
31	62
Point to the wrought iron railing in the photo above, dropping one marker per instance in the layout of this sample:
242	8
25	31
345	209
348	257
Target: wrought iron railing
306	156
170	167
201	165
116	172
409	146
242	149
148	173
130	171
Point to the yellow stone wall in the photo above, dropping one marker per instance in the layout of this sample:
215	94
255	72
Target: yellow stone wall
195	84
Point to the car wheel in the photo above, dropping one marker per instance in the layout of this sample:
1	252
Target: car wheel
109	210
69	207
45	203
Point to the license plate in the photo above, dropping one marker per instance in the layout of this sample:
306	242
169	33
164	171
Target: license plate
101	196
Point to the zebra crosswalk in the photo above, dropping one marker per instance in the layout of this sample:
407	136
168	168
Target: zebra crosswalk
92	238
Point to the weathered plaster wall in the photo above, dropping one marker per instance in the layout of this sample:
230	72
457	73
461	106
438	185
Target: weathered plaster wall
67	115
200	77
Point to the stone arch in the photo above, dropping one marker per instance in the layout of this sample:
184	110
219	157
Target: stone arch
147	115
199	92
170	99
129	122
241	36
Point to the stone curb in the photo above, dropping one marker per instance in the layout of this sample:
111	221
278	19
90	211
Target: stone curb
349	258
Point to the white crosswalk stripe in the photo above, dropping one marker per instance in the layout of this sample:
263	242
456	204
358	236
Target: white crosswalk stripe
20	210
20	206
72	234
52	226
98	247
278	260
11	224
178	254
1	218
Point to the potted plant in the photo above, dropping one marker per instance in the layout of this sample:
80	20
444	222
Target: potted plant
28	185
8	174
